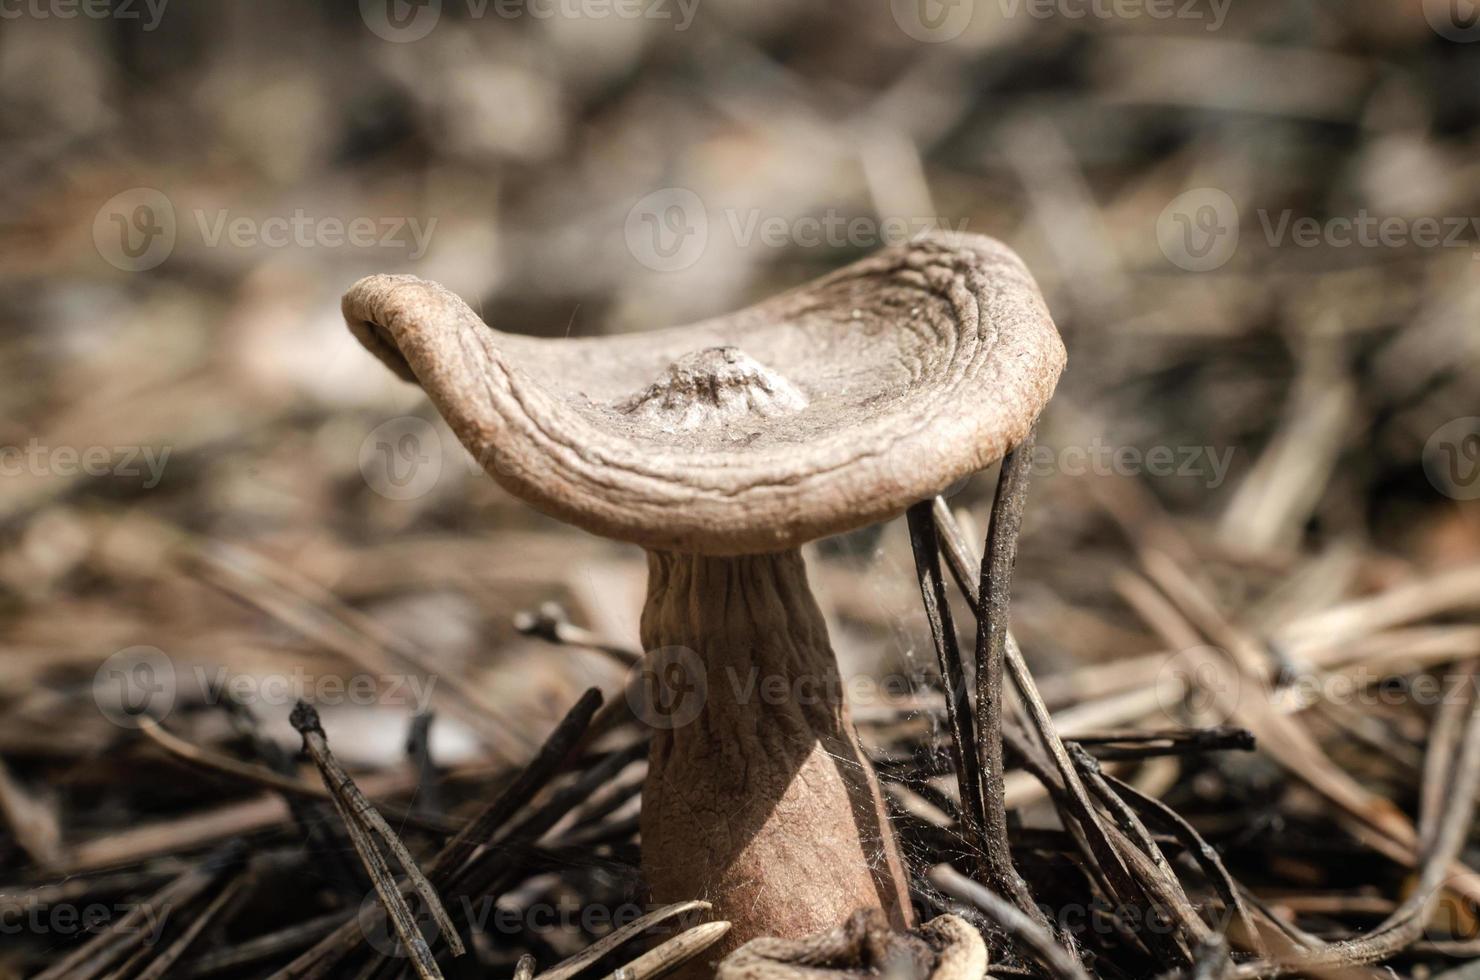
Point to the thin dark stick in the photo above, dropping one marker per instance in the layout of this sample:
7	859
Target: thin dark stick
1452	828
540	770
959	715
1116	746
616	938
490	873
1155	874
419	751
1169	821
265	947
316	961
1026	933
1124	817
995	646
991	640
1123	885
364	825
123	934
166	960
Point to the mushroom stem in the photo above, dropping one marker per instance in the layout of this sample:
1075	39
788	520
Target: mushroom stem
758	798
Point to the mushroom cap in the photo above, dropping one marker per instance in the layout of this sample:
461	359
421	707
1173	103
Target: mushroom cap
832	406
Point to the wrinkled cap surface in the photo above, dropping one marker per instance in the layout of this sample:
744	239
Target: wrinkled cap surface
826	408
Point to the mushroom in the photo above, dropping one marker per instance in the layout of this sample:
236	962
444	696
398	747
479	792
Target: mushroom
721	447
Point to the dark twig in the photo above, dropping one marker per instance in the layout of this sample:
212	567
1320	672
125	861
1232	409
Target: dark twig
419	751
216	910
1128	745
613	940
531	779
1450	831
674	953
550	623
1168	821
265	947
476	833
1026	933
991	639
125	933
959	715
364	825
1154	872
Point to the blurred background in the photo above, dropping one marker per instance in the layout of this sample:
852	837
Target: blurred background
1254	222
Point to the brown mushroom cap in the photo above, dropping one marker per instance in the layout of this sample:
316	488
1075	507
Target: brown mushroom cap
826	408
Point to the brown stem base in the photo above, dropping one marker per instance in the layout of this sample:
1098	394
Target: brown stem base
761	801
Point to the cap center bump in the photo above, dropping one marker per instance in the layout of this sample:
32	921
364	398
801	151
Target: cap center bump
715	386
